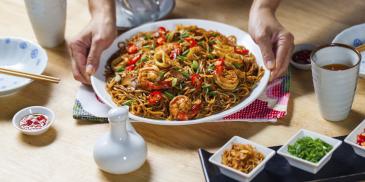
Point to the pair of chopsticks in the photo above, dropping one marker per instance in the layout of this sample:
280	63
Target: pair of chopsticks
29	75
360	48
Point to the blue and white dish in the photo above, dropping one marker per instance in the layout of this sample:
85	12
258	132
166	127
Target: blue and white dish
21	55
353	36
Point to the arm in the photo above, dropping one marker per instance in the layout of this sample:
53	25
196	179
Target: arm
275	42
87	46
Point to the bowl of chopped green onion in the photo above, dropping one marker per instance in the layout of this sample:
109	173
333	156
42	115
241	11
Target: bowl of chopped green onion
308	150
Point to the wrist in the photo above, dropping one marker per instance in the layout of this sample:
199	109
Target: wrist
265	6
103	9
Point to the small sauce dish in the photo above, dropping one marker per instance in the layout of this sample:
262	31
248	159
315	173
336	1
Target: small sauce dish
300	58
34	120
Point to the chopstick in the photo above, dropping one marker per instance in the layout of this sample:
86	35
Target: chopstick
360	48
29	75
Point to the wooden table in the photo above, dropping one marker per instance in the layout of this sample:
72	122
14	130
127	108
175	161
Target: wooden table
65	152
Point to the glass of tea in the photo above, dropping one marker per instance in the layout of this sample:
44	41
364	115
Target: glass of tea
335	70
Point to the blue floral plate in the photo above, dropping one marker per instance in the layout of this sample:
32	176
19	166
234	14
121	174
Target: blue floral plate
21	55
354	36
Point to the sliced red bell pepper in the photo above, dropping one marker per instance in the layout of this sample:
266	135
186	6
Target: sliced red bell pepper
191	41
154	97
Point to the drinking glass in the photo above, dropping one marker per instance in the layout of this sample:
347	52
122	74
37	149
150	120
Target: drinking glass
335	89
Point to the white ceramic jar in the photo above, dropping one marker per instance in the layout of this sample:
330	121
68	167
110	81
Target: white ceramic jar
122	150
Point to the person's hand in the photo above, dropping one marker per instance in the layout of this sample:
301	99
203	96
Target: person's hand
86	48
275	42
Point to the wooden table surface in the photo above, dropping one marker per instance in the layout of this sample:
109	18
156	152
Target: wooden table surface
65	152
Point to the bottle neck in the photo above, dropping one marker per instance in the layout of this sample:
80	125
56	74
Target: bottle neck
119	131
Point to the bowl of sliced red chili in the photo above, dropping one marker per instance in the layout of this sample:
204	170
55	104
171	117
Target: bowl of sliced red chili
34	120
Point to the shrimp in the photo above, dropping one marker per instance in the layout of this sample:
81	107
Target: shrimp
228	80
180	106
147	75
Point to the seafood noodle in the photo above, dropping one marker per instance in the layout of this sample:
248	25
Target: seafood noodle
181	74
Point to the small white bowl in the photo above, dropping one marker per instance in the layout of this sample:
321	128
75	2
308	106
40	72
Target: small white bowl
301	47
352	137
21	55
236	174
304	164
33	110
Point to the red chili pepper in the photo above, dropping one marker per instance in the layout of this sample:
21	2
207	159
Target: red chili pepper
159	85
241	51
196	80
161	40
130	67
219	67
174	53
134	59
132	49
182	116
191	41
154	97
360	139
162	30
40	117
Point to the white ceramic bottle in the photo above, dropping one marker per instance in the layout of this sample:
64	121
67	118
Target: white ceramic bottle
122	150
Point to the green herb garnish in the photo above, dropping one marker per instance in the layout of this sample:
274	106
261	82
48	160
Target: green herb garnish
211	56
211	67
309	149
128	102
182	58
184	34
147	37
170	36
186	52
195	65
120	69
185	74
237	65
161	74
144	59
169	94
212	93
173	82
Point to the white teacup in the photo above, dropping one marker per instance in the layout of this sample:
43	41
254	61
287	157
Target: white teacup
48	18
335	89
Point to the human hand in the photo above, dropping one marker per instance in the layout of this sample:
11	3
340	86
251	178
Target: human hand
275	42
86	48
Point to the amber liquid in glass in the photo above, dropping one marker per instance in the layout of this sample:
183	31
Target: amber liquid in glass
336	67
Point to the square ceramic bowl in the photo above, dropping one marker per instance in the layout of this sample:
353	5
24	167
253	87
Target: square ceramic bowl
351	139
236	174
304	164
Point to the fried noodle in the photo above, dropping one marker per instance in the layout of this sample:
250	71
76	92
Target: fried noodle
182	74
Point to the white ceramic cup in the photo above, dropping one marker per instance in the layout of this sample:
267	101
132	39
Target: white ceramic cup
335	90
48	18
